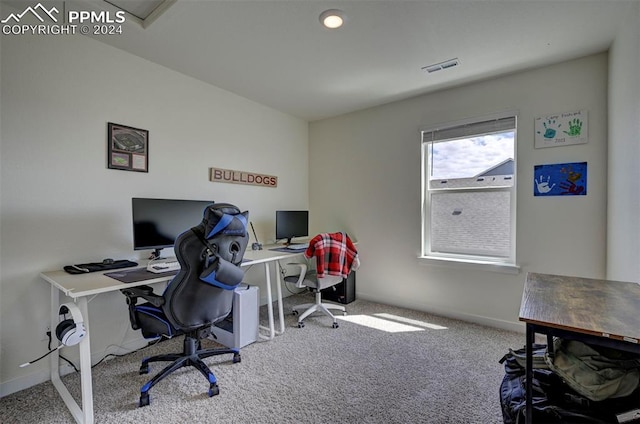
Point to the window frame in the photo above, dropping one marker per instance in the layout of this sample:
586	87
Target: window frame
489	262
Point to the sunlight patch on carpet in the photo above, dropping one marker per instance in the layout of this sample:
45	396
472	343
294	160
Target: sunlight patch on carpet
379	323
411	321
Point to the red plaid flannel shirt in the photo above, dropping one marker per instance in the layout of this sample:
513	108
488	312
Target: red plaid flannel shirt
342	254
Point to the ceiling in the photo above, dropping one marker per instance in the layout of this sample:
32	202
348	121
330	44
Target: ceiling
276	52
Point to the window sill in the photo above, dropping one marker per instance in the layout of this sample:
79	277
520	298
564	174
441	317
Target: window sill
471	264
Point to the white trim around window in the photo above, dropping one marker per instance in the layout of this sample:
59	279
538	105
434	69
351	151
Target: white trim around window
469	193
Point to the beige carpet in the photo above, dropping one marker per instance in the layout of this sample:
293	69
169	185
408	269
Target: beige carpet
384	365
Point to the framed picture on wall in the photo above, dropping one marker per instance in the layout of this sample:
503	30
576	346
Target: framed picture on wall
560	179
127	148
561	129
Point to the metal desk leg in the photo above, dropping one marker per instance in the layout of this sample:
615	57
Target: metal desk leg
550	352
280	306
530	338
82	415
271	328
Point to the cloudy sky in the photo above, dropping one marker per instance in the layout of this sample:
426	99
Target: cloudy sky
468	157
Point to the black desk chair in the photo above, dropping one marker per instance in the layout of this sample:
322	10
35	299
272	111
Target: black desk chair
200	295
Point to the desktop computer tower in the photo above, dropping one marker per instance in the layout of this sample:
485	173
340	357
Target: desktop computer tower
240	328
344	292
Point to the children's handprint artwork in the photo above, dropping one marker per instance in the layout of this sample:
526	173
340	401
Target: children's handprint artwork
550	129
562	179
575	127
562	129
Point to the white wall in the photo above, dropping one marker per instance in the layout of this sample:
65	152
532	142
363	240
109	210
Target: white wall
61	205
373	191
623	230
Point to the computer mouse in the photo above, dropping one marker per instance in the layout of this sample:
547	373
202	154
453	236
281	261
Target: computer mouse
107	261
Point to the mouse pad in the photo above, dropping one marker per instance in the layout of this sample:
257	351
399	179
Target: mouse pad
286	249
137	274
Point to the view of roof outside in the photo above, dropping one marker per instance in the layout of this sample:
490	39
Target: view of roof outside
469	157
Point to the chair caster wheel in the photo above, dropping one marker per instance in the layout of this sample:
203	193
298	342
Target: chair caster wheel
214	390
301	324
144	369
294	313
144	400
335	325
237	358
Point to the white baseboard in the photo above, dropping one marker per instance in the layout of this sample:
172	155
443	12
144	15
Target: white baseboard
518	327
43	374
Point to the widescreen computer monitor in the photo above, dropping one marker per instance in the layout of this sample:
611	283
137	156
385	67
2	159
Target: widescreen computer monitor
158	222
290	224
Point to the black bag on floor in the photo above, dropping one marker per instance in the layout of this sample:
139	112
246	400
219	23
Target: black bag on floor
553	400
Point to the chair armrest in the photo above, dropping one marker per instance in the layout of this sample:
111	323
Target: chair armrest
303	273
145	292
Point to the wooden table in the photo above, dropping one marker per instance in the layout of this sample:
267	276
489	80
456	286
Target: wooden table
597	312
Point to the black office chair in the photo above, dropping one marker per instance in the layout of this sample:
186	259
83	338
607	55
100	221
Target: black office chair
200	295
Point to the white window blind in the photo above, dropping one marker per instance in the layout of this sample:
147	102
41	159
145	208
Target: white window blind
471	129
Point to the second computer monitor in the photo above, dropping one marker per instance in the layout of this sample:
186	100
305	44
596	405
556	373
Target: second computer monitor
290	224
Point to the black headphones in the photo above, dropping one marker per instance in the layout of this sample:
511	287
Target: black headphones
70	332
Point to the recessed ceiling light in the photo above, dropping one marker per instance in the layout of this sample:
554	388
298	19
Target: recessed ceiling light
332	18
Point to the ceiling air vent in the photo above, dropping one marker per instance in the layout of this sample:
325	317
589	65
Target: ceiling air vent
442	65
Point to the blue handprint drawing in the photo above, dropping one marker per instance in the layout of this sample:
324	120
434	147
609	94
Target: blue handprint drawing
549	130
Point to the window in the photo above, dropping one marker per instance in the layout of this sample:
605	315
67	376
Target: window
469	191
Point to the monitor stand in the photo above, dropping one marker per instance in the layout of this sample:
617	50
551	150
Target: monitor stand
155	254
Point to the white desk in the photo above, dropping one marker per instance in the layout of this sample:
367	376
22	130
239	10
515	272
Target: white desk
84	287
80	288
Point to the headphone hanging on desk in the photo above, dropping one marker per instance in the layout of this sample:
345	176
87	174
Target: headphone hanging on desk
70	332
